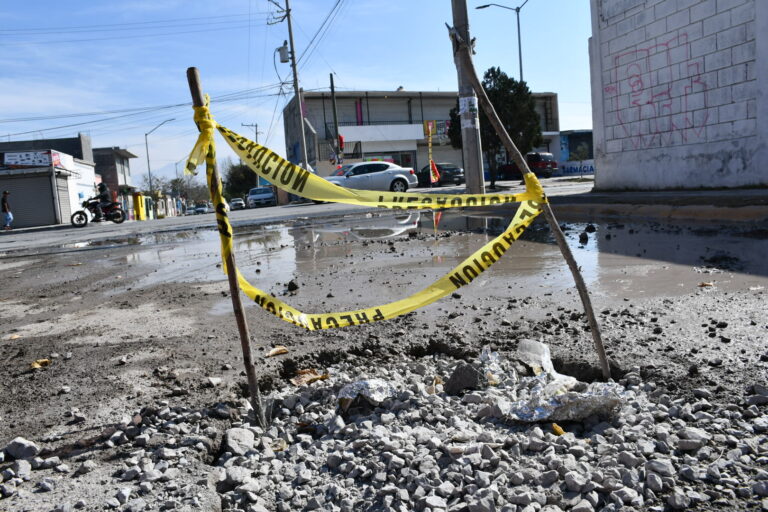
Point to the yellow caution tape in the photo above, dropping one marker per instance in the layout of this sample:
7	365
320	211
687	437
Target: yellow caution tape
292	178
298	181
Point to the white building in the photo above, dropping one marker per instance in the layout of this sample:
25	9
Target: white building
678	93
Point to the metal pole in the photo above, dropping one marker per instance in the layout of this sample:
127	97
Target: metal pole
196	90
335	117
296	91
146	145
256	131
519	45
149	169
468	111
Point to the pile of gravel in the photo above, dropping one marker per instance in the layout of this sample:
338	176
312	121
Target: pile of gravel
423	449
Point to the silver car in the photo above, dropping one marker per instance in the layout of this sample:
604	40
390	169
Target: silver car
375	176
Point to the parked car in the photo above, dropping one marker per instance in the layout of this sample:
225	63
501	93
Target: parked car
237	204
543	165
450	174
375	176
261	196
204	208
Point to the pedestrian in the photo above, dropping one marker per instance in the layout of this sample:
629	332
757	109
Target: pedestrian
7	211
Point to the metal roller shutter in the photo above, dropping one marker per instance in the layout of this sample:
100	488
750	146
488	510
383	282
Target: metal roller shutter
31	199
64	207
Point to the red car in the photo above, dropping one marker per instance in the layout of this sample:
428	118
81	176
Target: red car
543	165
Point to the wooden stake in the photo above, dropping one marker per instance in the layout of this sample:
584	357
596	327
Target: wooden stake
193	77
464	63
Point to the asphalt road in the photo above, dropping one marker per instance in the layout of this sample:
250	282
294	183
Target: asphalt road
66	235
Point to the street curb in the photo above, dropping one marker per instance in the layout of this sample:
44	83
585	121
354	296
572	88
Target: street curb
660	212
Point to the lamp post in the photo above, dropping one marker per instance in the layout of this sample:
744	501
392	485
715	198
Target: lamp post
519	46
146	145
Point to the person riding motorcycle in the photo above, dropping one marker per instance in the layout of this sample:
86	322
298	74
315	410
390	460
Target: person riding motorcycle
104	199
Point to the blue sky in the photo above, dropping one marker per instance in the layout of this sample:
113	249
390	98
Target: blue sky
113	59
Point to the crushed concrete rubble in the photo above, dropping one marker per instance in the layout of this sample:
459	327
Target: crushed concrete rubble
410	446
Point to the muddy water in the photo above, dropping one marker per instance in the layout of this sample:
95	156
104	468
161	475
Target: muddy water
368	261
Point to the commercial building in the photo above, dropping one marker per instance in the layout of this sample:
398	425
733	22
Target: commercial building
676	93
49	178
381	125
46	185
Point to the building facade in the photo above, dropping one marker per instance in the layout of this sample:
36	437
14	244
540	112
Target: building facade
381	125
114	166
676	93
46	185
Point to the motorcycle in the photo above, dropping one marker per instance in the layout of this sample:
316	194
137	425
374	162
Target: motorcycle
113	212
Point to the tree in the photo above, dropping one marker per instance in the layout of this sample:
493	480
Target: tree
238	179
159	185
190	188
516	108
581	153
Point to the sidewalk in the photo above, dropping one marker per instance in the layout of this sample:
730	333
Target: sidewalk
577	202
730	205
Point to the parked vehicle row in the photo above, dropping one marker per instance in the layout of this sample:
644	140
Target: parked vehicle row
387	176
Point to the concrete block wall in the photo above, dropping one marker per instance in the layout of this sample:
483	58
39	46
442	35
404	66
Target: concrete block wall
677	93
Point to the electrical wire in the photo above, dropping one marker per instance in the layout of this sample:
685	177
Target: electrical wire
319	29
237	26
223	98
310	51
140	25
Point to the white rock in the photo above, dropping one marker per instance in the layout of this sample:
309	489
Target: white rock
20	448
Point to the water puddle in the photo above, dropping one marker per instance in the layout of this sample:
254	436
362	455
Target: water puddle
387	257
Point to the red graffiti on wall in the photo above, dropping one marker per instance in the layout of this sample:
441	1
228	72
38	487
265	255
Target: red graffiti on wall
657	95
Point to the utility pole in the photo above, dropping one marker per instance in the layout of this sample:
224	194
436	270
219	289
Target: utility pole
256	131
468	111
335	120
297	92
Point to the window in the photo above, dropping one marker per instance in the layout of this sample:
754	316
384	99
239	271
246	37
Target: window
377	167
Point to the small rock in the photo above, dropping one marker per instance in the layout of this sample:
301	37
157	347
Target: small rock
435	502
123	495
583	506
136	505
465	376
663	467
20	448
45	485
678	500
85	467
112	503
22	469
238	440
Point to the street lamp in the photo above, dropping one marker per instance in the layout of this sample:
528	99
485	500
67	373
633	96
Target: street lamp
519	47
146	144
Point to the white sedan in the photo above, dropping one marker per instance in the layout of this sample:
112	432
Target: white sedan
374	176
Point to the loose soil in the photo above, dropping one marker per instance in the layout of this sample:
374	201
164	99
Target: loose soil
125	327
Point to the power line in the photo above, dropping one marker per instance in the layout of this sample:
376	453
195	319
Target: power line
319	29
237	26
136	24
233	96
